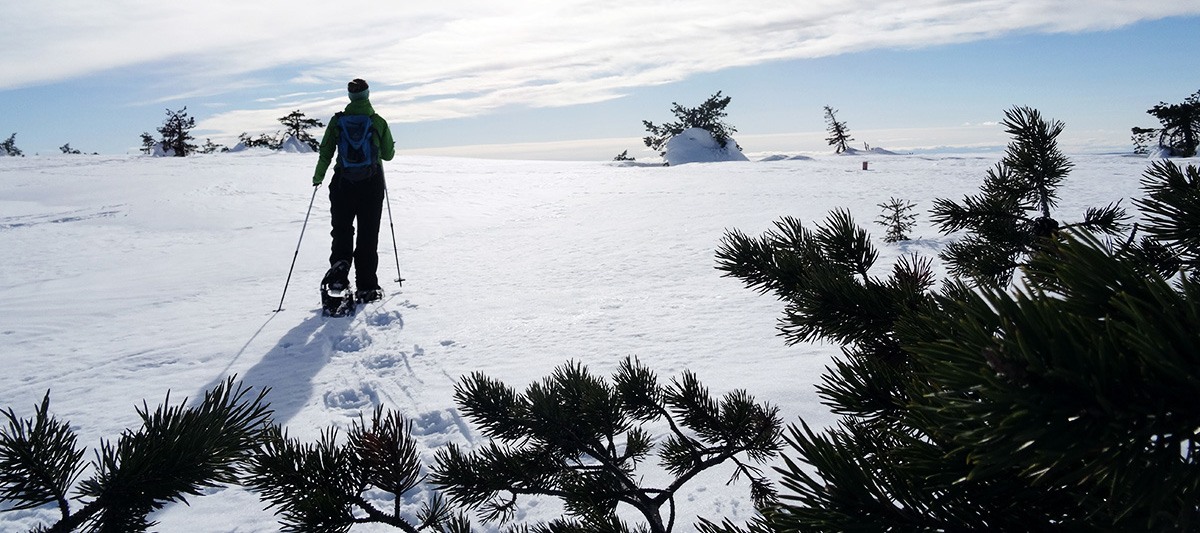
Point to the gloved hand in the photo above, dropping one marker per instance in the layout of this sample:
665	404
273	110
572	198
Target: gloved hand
317	180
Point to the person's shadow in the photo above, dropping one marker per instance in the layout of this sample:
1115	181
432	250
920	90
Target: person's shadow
289	367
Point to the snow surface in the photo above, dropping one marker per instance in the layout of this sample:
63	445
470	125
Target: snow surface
127	277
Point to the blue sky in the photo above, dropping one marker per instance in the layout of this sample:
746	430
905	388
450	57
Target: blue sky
573	79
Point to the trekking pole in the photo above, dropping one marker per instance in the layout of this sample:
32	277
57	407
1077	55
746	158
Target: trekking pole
297	254
391	224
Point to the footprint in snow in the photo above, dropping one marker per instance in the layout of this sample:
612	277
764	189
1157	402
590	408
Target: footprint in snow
353	342
352	399
385	320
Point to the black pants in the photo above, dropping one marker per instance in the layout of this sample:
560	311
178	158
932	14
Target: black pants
362	200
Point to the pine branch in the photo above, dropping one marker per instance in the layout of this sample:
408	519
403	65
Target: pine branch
39	460
568	449
1172	208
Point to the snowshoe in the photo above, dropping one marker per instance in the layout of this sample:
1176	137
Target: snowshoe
337	301
363	296
336	297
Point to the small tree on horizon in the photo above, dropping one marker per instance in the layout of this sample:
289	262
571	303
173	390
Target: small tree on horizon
264	140
9	146
296	124
1142	137
148	143
210	147
709	116
176	133
839	133
66	149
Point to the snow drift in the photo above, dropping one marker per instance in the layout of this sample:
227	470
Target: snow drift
697	145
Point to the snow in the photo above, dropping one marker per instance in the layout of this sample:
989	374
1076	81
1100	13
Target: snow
127	277
697	145
292	145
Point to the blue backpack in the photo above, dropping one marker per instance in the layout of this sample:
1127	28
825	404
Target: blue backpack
356	152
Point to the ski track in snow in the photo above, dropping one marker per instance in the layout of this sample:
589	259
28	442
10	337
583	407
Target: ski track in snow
128	277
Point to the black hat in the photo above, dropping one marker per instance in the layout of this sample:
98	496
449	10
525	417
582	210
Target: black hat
357	85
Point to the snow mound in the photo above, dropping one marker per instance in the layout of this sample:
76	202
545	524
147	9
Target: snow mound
697	145
160	150
292	145
874	151
1160	152
784	157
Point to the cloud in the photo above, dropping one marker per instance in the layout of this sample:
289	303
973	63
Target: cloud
455	58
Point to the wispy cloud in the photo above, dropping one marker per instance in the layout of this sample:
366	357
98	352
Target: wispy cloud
458	58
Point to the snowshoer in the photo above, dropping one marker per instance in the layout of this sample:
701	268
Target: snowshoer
363	142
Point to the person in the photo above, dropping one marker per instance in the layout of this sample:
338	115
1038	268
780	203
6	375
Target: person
356	193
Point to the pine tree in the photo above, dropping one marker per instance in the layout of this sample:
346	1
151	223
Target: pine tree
624	156
264	140
210	147
176	133
578	437
323	486
1011	218
1141	138
1180	125
1066	404
709	116
9	146
66	149
179	451
296	124
839	133
148	143
897	219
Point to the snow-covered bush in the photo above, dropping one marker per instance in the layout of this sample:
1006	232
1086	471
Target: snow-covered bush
708	116
697	145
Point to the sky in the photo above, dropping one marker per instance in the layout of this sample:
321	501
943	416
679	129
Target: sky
563	79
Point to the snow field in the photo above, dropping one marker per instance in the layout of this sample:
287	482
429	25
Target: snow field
127	277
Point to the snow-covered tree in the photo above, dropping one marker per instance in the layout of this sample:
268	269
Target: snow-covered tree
709	115
1180	130
296	125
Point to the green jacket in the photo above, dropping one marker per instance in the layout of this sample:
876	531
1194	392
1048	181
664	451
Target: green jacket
385	146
